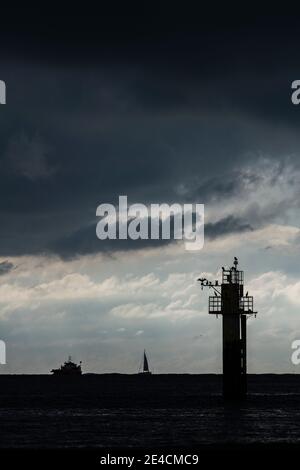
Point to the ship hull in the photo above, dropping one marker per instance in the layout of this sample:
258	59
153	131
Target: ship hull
61	373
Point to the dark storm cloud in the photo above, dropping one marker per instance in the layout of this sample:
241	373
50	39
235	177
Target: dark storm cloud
84	240
5	267
28	157
135	105
223	186
226	226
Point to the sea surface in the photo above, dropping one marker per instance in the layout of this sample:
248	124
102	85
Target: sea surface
97	411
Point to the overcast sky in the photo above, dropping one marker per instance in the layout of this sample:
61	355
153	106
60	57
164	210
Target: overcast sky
187	110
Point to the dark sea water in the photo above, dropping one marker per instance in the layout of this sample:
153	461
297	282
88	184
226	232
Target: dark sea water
99	411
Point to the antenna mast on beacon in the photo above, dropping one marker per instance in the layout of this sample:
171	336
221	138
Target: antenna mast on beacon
235	307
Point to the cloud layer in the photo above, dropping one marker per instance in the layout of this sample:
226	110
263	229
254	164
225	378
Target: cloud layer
198	114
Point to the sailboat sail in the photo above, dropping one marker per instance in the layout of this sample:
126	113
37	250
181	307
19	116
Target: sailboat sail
146	365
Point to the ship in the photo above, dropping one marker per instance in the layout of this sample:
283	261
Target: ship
68	368
144	368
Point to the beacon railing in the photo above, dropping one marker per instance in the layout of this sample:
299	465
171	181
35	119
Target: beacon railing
245	305
214	304
232	276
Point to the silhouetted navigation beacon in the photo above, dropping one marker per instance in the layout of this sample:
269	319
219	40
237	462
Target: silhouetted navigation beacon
229	301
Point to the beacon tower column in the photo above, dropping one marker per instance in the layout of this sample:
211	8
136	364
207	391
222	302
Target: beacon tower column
235	307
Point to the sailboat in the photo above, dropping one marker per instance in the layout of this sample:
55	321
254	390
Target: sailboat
145	370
